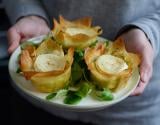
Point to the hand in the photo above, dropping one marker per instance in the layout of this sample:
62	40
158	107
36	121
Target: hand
25	28
137	42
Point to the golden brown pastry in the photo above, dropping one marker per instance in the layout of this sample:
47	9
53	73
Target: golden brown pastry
77	34
47	66
110	64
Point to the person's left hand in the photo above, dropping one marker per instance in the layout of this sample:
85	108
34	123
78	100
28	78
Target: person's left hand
137	42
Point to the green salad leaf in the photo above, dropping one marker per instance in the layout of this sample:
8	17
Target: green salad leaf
78	55
104	94
60	93
51	96
73	97
83	90
76	72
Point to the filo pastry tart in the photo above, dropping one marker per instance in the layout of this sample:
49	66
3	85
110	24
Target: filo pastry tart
110	64
47	66
78	33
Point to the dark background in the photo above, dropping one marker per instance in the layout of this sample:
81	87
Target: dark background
14	109
4	78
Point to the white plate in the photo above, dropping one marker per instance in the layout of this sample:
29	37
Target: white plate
87	104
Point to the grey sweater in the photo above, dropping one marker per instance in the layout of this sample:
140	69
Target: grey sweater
113	16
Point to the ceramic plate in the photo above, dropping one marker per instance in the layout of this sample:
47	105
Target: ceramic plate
87	104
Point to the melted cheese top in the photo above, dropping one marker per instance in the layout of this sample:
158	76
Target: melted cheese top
74	31
111	64
49	62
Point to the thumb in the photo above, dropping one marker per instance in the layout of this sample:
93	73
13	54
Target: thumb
13	39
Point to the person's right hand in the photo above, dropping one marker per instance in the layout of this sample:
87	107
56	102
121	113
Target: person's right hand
26	28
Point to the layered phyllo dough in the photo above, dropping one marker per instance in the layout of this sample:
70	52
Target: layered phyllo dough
78	33
47	66
110	64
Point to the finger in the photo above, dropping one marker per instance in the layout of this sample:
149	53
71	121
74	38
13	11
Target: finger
26	38
14	39
146	67
139	89
45	30
145	72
